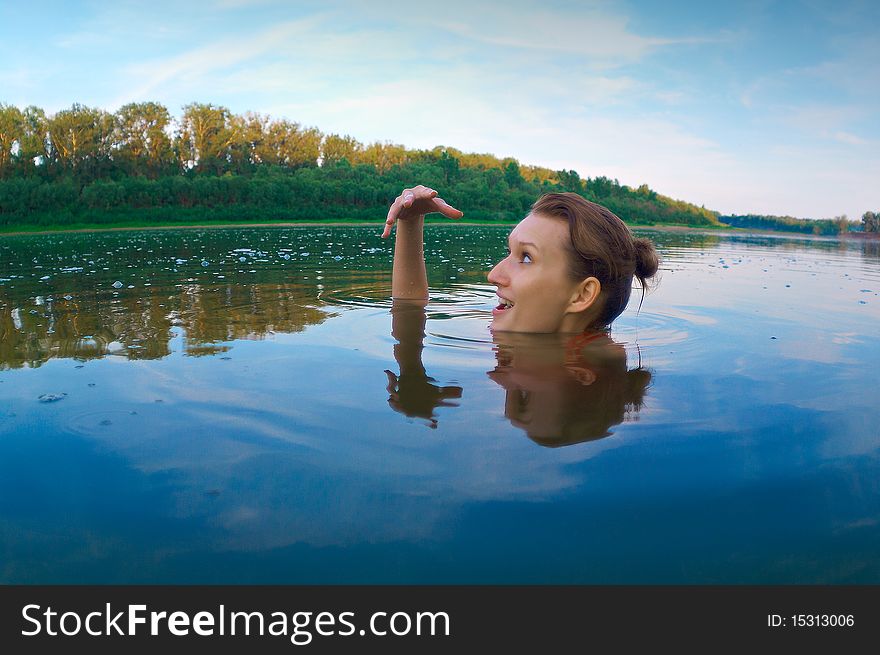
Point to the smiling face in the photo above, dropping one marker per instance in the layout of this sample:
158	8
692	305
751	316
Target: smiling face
534	286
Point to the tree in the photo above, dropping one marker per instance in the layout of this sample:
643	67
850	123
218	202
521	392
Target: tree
292	145
247	147
142	141
538	174
871	222
34	144
570	180
81	140
335	148
603	187
645	190
450	165
383	156
841	223
205	136
475	160
512	175
259	140
11	134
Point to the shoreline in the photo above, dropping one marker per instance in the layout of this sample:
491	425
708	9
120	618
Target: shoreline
318	223
305	223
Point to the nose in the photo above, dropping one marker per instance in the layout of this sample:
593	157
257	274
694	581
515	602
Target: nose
497	276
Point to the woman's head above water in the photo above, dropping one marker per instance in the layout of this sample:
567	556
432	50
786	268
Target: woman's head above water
570	265
570	268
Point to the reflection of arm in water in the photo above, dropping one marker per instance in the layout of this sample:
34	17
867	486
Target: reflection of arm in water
562	394
413	392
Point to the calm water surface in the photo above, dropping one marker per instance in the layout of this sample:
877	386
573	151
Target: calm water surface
245	405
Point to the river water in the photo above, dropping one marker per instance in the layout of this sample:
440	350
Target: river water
247	406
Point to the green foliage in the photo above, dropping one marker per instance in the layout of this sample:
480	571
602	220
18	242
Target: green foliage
83	165
11	133
142	143
826	226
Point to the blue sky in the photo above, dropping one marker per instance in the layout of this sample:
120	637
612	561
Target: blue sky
766	107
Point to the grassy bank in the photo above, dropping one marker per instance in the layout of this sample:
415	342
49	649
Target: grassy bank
13	230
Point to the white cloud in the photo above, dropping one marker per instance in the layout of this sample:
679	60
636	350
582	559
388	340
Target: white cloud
597	36
86	39
822	118
221	55
238	4
594	31
852	139
854	71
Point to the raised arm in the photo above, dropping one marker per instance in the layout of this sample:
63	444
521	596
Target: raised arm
409	279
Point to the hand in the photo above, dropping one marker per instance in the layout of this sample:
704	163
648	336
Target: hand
417	396
418	201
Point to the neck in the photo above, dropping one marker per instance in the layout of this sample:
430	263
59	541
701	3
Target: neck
581	321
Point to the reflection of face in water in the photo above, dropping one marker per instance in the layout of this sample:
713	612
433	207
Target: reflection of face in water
563	390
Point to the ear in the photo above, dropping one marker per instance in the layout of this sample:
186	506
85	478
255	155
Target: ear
582	374
584	296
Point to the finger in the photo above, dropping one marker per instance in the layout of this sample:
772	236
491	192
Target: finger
392	382
451	392
417	193
446	209
393	211
388	223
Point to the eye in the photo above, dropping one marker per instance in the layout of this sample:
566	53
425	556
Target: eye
526	258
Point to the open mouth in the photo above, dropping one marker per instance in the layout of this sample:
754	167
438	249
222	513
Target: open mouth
503	304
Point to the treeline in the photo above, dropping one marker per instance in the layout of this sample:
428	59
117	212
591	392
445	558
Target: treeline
86	165
871	222
826	226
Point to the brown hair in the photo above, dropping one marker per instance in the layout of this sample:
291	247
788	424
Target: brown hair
601	246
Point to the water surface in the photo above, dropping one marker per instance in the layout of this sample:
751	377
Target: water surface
245	405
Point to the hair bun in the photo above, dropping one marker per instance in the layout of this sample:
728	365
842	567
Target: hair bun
647	260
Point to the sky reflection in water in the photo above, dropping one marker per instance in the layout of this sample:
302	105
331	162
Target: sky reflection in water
237	409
